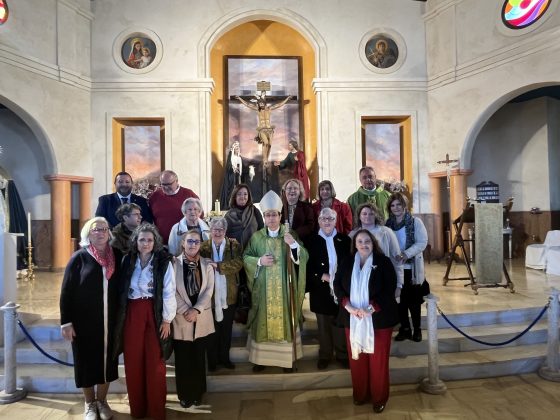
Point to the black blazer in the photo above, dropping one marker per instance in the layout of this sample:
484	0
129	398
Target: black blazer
320	299
303	222
109	203
382	285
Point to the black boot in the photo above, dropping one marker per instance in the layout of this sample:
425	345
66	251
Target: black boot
417	336
404	334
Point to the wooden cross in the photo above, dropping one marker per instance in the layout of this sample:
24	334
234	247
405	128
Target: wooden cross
448	163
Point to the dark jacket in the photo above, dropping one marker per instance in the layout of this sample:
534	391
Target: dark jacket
160	263
121	238
303	222
109	203
320	299
382	285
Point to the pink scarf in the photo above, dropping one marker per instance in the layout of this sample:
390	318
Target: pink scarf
106	260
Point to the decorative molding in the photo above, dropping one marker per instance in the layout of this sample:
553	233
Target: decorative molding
453	172
71	5
440	9
202	85
70	178
352	85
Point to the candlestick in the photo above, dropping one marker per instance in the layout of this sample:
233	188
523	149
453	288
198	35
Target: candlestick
29	226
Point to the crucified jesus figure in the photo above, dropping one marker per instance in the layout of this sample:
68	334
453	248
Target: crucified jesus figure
265	131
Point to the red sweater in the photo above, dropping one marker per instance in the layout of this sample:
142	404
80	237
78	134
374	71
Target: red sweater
343	215
166	209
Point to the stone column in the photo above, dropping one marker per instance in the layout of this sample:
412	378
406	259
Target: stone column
61	213
432	384
435	190
550	370
11	393
85	202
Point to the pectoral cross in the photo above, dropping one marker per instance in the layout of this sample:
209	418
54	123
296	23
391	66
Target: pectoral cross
448	163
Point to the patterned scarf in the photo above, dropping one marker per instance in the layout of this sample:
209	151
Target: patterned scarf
191	275
408	223
106	259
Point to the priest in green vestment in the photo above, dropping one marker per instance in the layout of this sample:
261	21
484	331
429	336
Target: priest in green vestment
369	193
270	323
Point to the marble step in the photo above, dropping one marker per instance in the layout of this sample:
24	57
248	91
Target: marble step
49	378
449	341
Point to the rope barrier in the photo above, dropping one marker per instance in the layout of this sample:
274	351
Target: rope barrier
503	343
43	352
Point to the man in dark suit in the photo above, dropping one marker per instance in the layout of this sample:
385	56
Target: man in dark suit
109	203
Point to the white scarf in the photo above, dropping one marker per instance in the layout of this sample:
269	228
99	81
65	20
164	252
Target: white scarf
220	283
361	330
331	251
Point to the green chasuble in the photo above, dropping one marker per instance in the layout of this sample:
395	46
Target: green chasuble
269	316
379	197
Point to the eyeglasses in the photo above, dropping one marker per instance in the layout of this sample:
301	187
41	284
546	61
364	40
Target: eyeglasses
100	229
193	241
217	230
168	184
326	219
135	214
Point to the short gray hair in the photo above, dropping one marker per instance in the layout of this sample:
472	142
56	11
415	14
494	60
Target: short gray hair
221	221
189	201
84	233
327	212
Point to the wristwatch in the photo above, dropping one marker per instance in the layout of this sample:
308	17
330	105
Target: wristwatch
370	309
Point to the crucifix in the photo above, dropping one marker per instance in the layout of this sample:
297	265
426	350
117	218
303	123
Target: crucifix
265	130
448	163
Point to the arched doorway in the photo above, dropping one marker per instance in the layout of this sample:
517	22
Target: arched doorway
264	38
518	148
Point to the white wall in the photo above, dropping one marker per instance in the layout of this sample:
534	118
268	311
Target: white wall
512	150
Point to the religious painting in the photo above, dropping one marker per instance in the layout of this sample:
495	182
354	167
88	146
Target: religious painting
383	150
138	52
142	154
518	14
381	51
261	121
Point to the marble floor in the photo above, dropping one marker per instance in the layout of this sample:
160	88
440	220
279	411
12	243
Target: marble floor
511	397
532	288
520	397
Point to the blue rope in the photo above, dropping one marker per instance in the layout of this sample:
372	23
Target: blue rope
503	343
43	352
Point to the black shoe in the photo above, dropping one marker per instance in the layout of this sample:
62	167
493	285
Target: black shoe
322	364
288	370
185	404
258	368
344	363
378	408
404	335
357	402
228	365
417	336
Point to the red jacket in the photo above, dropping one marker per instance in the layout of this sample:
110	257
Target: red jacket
343	212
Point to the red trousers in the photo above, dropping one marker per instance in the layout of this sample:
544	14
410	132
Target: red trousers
370	373
143	365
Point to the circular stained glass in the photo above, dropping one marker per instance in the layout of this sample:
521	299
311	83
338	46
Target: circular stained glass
518	14
4	12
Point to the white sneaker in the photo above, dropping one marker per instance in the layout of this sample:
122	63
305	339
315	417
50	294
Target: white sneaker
105	412
90	412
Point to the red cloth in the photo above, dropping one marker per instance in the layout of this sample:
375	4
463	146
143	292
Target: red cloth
166	209
370	373
107	260
143	365
300	172
343	215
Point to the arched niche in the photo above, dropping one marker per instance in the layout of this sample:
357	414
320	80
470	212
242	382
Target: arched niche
262	38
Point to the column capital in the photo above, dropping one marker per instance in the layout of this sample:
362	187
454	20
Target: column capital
69	178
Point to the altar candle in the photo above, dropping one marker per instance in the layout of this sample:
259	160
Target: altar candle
29	226
217	206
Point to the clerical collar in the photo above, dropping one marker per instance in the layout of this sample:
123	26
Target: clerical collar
373	190
273	233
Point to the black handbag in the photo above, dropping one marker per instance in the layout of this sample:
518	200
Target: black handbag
425	288
243	301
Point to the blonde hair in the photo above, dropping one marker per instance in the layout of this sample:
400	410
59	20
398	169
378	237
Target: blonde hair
84	233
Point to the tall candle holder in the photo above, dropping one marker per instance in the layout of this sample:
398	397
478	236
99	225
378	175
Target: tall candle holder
30	275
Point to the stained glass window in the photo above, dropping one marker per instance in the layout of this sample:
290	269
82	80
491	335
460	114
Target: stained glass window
3	11
518	14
